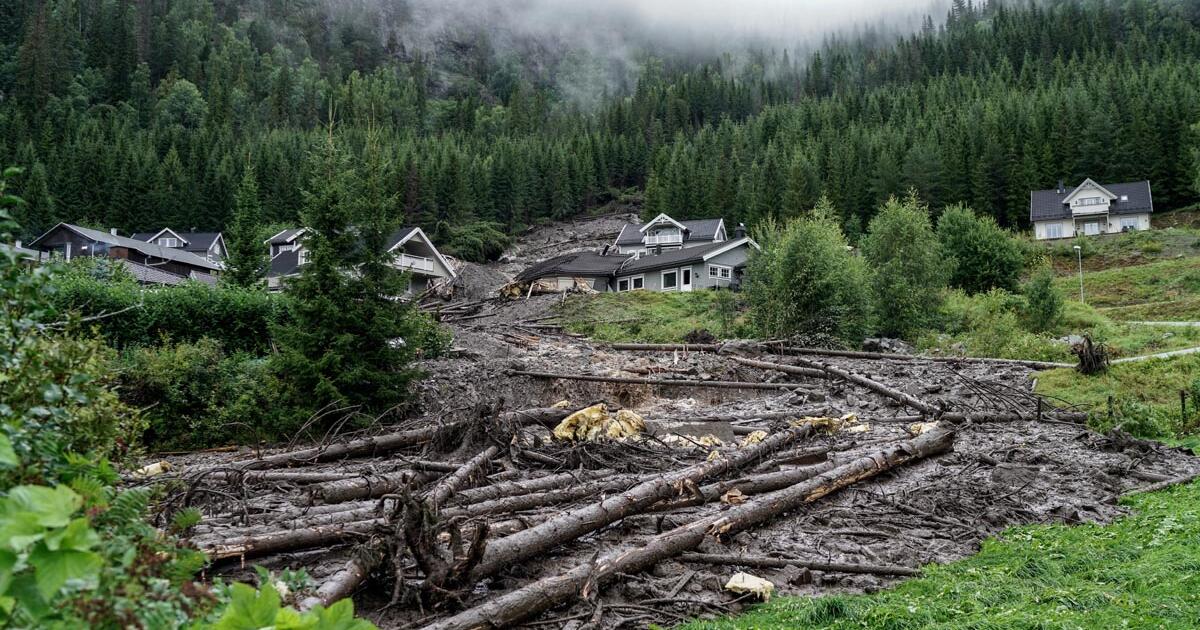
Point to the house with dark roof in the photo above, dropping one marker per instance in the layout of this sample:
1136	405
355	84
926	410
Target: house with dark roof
1090	209
150	262
662	233
410	248
210	245
714	265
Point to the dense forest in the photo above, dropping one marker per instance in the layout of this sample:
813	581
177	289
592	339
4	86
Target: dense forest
140	113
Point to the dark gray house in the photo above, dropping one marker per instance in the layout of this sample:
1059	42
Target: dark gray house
709	266
411	251
147	260
210	245
1090	209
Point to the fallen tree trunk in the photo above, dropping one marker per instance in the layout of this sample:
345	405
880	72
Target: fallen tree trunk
886	356
286	540
533	500
779	563
875	386
657	381
1162	485
459	478
754	484
584	579
365	487
517	488
667	347
393	441
575	523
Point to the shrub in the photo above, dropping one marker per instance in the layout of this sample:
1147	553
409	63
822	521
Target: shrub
1044	304
910	268
985	255
128	315
807	281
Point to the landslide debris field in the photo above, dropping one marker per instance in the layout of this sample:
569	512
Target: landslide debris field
818	473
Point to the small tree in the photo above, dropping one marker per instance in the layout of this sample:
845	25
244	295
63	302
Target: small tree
807	281
986	257
246	263
1045	304
910	268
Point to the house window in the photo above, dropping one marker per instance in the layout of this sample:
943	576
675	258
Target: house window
168	241
1054	230
1129	224
303	257
639	282
623	284
1091	228
1089	201
670	279
720	272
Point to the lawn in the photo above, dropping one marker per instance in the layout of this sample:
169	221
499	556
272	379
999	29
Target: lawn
1121	250
1142	571
1157	282
652	316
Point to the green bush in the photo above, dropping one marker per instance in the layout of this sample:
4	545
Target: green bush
127	315
910	268
985	255
806	281
1044	304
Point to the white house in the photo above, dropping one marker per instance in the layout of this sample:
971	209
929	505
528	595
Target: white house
1090	209
411	251
662	233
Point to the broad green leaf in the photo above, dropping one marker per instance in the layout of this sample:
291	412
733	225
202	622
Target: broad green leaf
19	529
249	609
52	506
25	590
340	616
8	561
53	568
79	536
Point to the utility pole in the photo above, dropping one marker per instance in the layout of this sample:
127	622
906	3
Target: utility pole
1079	255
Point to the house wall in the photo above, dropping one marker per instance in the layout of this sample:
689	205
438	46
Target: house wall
1040	228
1111	226
1143	221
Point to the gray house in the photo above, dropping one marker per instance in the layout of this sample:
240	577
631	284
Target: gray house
411	251
662	233
716	265
209	245
1090	209
150	263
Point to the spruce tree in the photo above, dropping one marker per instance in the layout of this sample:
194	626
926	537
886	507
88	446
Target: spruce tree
246	263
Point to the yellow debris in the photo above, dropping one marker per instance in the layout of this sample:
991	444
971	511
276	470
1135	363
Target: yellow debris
754	438
714	455
831	425
859	428
709	439
746	583
592	422
562	404
733	497
153	470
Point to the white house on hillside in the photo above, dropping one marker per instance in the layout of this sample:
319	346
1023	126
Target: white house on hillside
662	233
1090	209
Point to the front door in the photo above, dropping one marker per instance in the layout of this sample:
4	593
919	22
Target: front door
685	279
1091	228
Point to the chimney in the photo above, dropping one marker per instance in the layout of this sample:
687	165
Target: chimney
1061	187
112	231
739	231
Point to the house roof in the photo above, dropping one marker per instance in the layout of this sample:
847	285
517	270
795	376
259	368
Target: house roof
284	264
149	249
1131	198
585	264
23	252
285	237
400	235
192	241
698	229
684	256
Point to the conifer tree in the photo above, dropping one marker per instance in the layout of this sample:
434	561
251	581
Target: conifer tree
246	263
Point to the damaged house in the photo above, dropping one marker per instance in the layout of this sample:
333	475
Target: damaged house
682	263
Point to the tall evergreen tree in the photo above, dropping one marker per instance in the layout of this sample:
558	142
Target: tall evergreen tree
246	262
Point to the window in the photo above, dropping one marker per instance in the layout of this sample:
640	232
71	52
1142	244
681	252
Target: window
1054	230
1129	224
1124	197
623	284
670	279
631	284
168	241
720	272
303	257
1091	228
639	282
1090	201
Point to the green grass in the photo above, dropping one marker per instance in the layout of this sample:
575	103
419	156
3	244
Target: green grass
1127	249
1162	281
1143	571
652	316
1186	309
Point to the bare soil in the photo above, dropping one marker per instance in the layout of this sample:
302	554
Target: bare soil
998	474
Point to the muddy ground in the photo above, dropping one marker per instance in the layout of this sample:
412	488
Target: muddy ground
937	510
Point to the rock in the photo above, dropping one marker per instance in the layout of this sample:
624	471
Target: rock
1070	340
886	345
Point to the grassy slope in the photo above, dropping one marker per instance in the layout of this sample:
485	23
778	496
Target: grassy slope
1141	572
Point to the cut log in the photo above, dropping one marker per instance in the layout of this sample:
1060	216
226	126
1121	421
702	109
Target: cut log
516	488
451	483
518	503
764	562
659	381
286	540
526	544
365	486
1163	485
365	559
875	386
585	579
754	484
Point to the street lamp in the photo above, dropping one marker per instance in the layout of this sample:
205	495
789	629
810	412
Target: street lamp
1079	255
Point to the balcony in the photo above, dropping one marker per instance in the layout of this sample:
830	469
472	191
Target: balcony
663	239
416	263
